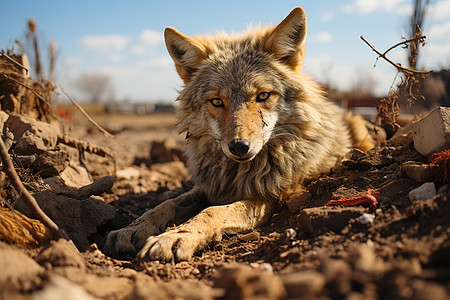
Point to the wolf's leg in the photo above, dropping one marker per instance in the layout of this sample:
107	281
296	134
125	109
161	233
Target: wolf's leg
131	239
209	225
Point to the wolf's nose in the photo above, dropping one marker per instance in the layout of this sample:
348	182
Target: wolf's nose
239	147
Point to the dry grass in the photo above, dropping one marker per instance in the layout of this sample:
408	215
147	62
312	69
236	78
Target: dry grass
19	92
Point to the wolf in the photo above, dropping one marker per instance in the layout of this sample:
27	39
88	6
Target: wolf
256	127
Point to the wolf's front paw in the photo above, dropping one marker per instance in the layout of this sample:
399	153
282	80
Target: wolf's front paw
129	240
175	245
123	242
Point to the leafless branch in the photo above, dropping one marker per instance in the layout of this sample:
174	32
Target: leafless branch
397	65
26	196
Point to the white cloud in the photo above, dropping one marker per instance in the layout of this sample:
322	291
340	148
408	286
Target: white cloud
321	37
160	62
327	16
116	47
372	6
105	44
147	39
439	10
438	31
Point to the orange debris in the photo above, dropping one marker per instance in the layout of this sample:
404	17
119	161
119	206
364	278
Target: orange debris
368	199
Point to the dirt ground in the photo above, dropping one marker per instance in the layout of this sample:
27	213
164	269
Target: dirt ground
307	251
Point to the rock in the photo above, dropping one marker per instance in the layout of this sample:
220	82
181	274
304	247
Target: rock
76	176
317	220
61	253
418	172
19	272
304	284
32	136
51	163
242	282
297	201
61	288
432	133
423	192
366	218
128	173
96	188
290	234
79	218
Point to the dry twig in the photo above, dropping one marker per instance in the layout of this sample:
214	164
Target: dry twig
104	131
26	196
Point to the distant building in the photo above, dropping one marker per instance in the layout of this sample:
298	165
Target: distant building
127	107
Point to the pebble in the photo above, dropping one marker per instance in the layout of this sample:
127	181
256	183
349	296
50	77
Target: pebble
195	271
366	218
290	233
423	192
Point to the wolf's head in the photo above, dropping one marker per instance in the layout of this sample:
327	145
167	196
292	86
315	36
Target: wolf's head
236	87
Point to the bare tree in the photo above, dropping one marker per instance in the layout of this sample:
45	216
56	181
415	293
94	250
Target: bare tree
415	26
94	85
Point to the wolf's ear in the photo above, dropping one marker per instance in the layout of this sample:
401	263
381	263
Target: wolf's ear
287	41
185	51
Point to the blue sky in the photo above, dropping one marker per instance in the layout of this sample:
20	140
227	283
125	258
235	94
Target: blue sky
124	38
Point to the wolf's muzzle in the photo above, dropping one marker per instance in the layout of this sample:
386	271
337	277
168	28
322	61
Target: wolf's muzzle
239	147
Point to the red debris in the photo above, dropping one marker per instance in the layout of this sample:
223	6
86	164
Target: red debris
368	199
441	161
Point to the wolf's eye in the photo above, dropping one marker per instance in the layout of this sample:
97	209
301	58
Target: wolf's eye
217	102
262	96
